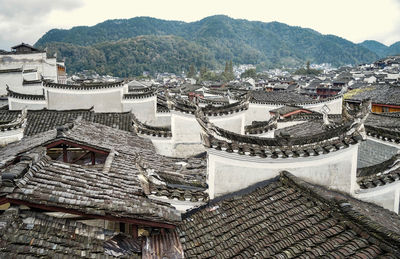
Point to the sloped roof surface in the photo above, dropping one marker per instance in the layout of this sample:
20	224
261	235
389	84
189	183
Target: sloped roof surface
287	218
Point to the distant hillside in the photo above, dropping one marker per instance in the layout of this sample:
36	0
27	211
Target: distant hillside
129	57
380	49
210	42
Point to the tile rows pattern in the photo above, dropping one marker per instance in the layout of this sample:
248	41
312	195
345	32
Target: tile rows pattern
277	220
44	120
26	234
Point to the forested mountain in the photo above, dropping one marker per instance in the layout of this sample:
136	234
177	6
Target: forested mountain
380	49
131	57
130	46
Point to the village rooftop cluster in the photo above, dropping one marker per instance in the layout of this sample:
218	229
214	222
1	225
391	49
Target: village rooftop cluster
280	166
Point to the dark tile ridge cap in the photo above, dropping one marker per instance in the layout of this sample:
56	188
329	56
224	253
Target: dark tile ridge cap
28	82
259	127
139	95
226	109
188	107
215	137
340	205
384	173
377	168
141	90
384	134
155	131
11	70
16	95
83	86
62	111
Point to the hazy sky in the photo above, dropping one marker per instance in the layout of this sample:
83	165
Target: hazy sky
356	20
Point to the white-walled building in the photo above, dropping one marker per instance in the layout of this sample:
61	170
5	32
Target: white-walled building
261	103
12	131
182	137
23	68
236	161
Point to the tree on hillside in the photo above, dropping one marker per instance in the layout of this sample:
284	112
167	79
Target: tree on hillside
228	74
192	71
307	70
249	73
203	71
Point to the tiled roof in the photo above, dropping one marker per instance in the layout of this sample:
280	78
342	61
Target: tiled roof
308	128
26	46
139	95
258	127
142	128
288	109
210	110
117	189
380	94
288	218
28	234
386	120
214	101
90	191
279	97
44	120
326	139
16	95
386	134
180	192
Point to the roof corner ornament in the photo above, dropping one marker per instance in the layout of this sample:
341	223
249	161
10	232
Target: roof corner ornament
345	112
170	102
325	111
360	118
147	176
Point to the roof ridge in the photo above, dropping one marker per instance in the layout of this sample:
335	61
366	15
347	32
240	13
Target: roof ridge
343	208
11	93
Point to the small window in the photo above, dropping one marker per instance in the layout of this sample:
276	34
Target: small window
76	153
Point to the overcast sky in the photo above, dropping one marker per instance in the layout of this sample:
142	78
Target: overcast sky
355	20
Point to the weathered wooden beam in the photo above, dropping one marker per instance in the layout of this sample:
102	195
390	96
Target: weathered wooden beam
72	144
93	157
65	154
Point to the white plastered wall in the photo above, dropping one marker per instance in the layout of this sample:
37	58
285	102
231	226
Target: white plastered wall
229	172
144	109
10	136
335	106
386	196
13	80
20	104
103	100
